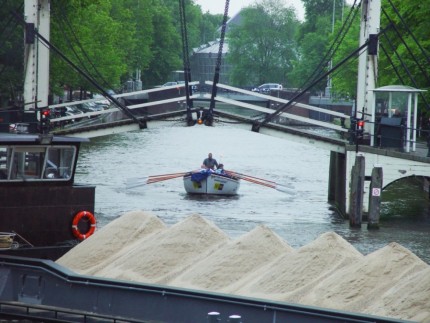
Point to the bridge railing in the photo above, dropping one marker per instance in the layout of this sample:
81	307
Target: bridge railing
112	108
291	116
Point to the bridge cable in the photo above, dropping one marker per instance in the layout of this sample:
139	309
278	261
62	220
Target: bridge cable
330	52
392	64
409	31
8	35
402	62
393	49
315	75
62	28
423	71
257	125
45	42
209	117
70	27
8	24
186	60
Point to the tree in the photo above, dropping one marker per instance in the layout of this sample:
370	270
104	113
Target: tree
262	46
167	43
409	22
394	53
343	84
310	64
88	35
166	46
11	53
312	38
108	40
208	26
135	18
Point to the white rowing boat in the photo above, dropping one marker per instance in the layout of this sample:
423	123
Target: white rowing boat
209	182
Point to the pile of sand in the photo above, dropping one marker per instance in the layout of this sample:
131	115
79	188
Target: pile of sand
158	259
194	253
233	261
292	275
108	243
359	285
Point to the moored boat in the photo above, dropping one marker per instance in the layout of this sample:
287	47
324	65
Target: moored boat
43	213
210	182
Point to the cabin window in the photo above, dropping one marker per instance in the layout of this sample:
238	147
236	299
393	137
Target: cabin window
44	163
59	163
3	163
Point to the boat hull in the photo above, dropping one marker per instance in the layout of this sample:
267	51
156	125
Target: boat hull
43	213
215	184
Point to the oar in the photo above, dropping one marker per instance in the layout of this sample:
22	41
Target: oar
141	181
160	179
256	178
163	175
263	182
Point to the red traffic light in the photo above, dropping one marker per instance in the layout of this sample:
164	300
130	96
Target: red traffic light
46	113
360	123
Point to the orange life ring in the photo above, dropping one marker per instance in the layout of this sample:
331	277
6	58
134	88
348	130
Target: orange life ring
75	230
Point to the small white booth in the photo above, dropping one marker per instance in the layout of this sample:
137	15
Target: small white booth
394	116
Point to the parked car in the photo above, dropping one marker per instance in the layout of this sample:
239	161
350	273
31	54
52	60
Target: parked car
89	107
170	83
72	110
267	87
101	101
193	87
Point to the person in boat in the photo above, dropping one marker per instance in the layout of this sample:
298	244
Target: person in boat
220	169
210	163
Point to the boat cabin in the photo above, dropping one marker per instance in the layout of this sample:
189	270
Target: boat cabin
40	205
37	159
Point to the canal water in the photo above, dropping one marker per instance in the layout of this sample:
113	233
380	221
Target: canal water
299	216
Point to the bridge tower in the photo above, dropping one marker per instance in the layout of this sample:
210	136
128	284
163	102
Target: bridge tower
368	59
36	56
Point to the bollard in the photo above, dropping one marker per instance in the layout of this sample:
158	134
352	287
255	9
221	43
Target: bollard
213	317
375	198
235	319
357	192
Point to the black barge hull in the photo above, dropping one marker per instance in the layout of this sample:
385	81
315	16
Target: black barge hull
41	217
41	290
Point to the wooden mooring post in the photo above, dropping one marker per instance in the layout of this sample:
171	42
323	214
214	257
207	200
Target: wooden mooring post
357	191
375	198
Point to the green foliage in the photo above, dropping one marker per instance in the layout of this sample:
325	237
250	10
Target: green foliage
309	67
313	40
166	46
110	39
401	60
107	39
413	17
208	27
89	36
344	80
259	54
11	52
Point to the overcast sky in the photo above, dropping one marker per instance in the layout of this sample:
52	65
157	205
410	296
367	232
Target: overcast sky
217	6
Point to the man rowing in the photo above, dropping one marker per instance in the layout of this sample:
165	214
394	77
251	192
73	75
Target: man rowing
210	163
